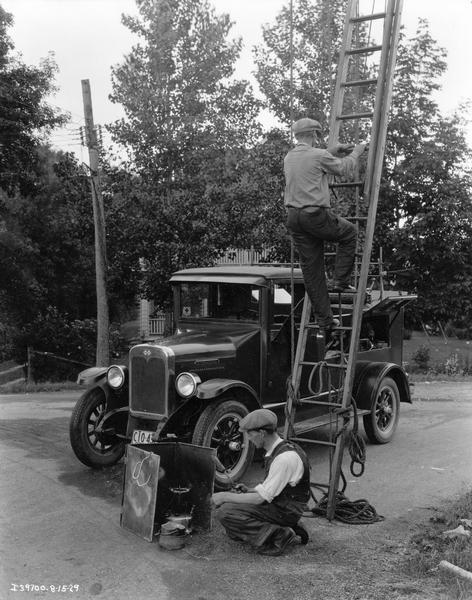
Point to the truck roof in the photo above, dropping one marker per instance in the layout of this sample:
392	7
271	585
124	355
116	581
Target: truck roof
255	274
262	275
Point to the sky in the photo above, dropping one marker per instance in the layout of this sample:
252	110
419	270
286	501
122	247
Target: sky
87	38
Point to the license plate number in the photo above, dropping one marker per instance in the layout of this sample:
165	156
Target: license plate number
142	437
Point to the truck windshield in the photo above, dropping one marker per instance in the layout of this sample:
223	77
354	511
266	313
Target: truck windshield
232	301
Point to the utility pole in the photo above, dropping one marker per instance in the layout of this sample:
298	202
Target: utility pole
103	352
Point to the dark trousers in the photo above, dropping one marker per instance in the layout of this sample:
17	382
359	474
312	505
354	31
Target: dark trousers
309	229
257	524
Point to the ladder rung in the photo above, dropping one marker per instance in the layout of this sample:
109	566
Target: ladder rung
339	184
359	82
362	115
364	50
371	17
308	441
338	328
336	366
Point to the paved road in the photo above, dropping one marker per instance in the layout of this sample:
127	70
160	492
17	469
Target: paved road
59	521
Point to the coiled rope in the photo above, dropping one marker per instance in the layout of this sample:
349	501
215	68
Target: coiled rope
354	512
356	444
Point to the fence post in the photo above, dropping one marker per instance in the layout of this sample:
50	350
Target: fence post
29	372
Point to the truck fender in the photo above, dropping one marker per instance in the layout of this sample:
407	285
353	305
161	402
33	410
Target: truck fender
212	388
368	377
96	377
91	375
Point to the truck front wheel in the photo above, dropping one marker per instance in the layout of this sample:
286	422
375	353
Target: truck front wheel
218	427
94	446
380	424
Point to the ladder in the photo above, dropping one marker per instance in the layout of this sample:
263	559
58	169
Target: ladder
356	86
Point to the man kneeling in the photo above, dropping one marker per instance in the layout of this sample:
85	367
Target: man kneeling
267	516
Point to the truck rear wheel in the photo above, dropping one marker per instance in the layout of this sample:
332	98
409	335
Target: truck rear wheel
218	427
94	449
381	423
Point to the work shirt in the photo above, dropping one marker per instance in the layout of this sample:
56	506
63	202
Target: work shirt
286	469
306	175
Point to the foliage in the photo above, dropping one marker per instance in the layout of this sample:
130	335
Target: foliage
46	249
46	231
421	357
187	126
317	31
424	219
59	334
25	115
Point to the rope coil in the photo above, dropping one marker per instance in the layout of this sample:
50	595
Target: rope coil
354	512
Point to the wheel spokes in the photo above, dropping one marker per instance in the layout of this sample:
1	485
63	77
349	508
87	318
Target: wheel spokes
384	410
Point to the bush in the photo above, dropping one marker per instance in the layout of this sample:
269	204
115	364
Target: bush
421	357
73	340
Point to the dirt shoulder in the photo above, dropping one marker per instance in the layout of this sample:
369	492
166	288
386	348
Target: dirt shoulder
351	562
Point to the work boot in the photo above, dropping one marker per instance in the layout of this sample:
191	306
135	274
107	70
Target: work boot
329	332
302	533
341	287
279	542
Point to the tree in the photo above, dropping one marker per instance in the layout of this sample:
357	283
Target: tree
46	244
425	213
25	116
187	125
317	30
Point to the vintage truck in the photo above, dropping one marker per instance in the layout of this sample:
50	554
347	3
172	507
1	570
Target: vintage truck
230	353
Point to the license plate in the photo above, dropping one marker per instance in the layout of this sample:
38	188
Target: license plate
142	437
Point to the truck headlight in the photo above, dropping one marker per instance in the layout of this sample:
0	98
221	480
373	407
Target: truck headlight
115	377
186	384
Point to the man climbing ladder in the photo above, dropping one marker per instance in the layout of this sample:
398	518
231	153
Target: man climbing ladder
361	104
310	218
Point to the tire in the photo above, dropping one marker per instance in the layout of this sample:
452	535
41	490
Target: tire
380	425
96	451
216	427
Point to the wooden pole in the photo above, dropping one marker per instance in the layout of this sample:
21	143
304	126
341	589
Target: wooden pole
29	368
103	353
455	570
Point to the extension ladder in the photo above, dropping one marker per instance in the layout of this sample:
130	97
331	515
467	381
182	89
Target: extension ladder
360	107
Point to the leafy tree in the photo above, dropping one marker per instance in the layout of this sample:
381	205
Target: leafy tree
25	115
425	213
317	30
187	125
46	246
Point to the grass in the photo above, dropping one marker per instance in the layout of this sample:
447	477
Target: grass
428	547
449	356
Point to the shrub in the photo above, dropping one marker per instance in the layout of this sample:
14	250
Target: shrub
451	365
73	340
421	357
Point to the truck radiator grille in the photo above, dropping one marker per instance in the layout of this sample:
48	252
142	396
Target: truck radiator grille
149	381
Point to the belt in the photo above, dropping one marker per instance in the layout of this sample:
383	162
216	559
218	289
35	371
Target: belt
308	208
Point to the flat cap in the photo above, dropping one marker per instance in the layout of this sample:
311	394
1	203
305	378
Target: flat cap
259	419
305	124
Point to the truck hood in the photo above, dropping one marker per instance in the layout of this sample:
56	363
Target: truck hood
194	344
